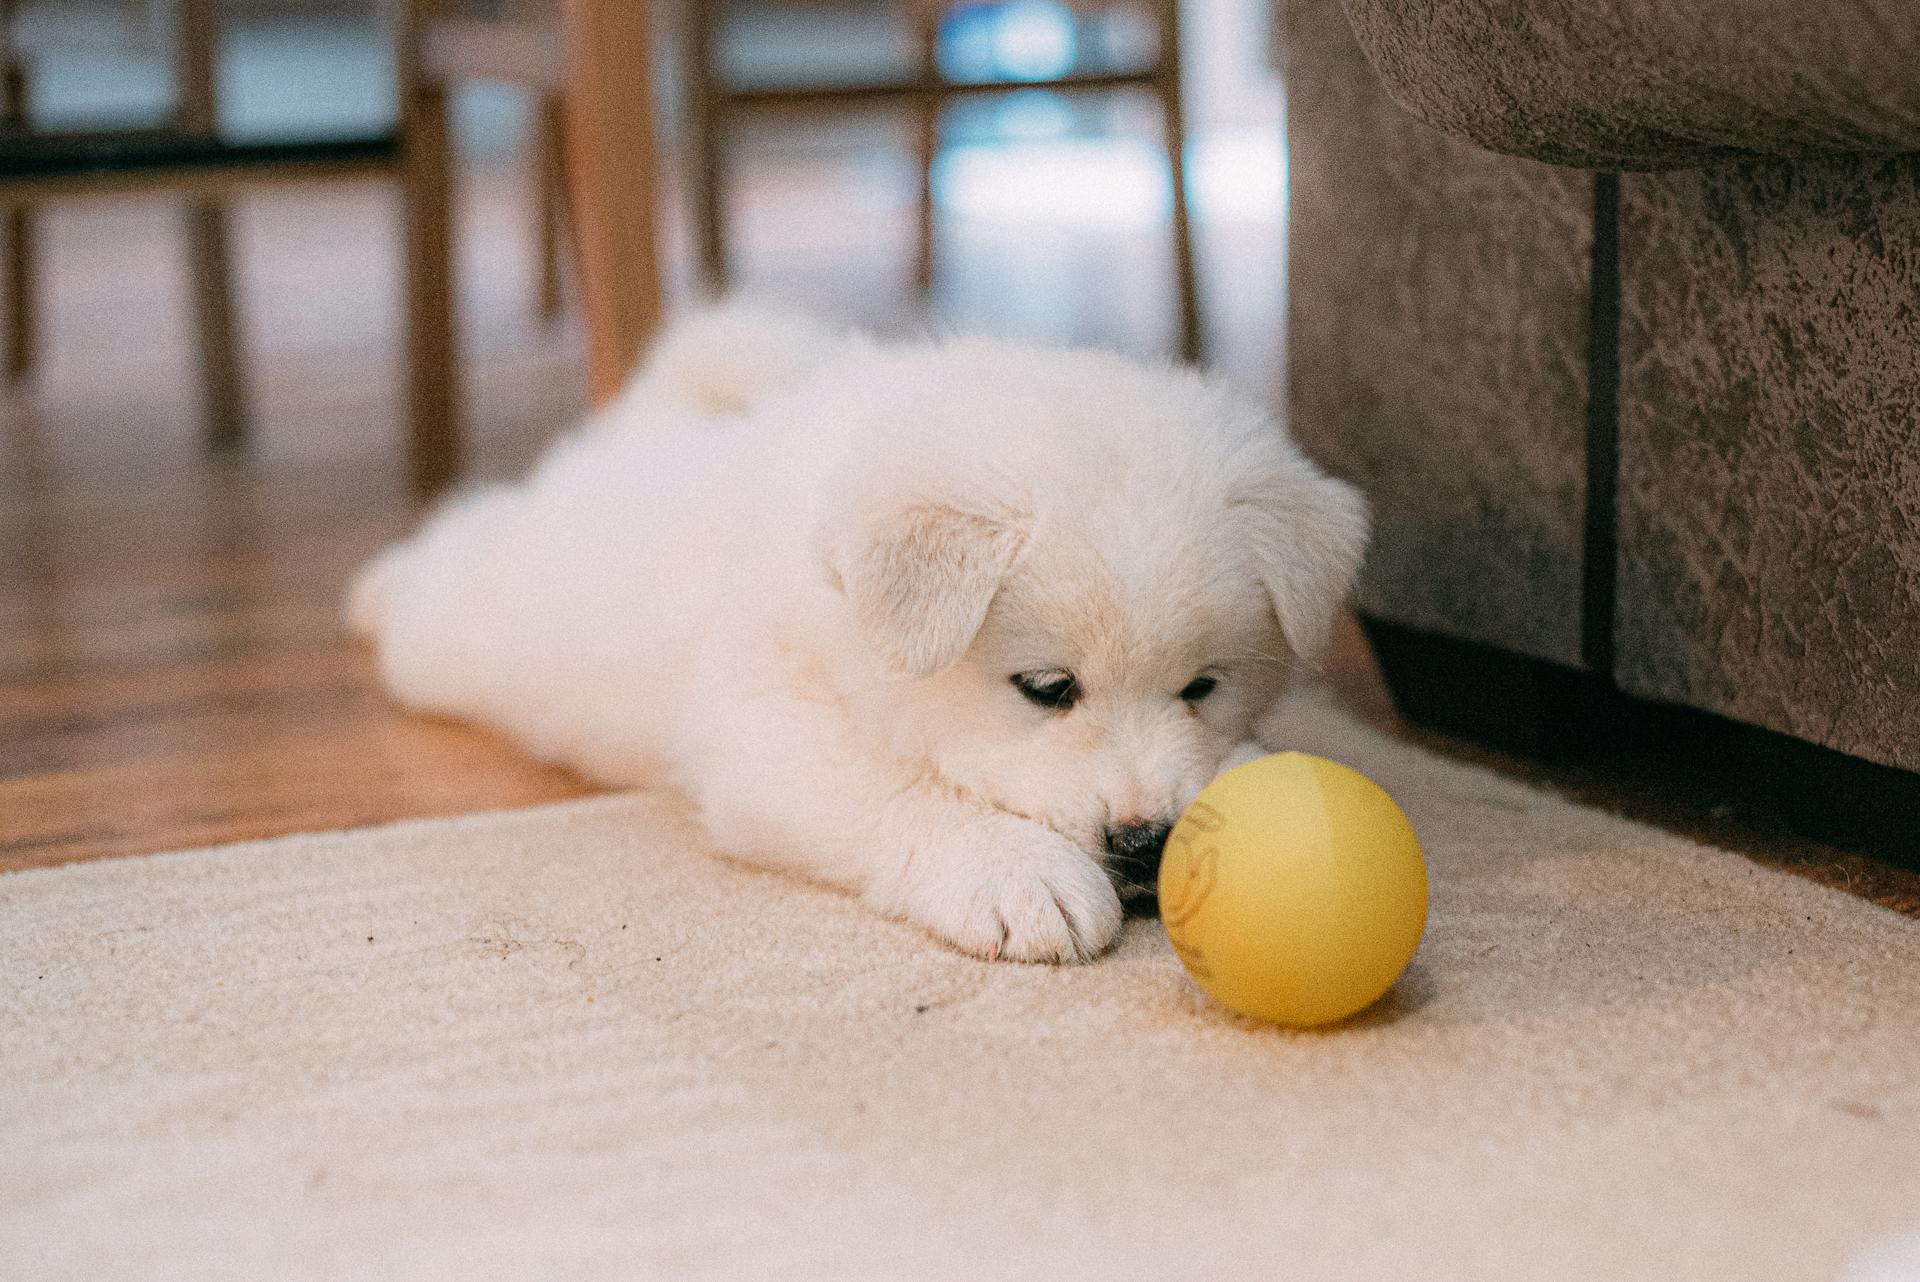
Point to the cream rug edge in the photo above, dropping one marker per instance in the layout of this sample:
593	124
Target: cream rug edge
564	1042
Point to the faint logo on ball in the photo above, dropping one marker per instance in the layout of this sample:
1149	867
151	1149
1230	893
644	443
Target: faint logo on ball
1195	873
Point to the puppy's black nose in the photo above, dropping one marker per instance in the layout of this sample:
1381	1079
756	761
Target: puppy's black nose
1136	849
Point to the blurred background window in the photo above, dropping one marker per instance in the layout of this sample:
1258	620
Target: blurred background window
324	68
1052	207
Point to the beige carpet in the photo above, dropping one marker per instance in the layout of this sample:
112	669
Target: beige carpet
564	1043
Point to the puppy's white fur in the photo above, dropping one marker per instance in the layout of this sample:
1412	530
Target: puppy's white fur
793	572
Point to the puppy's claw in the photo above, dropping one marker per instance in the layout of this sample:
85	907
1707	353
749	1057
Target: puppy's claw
1073	933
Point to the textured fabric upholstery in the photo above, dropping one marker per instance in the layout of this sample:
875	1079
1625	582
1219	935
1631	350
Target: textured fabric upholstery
1662	426
1653	84
1437	297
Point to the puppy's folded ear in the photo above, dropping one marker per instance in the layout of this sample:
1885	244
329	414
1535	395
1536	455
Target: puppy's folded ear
1307	533
921	575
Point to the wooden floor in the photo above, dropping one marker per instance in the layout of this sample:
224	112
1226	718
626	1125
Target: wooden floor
175	675
172	670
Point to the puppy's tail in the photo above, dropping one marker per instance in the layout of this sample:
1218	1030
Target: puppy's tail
728	358
366	602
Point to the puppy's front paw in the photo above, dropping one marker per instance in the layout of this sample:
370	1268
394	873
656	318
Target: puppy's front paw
1006	888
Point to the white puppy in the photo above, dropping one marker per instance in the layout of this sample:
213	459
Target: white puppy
960	627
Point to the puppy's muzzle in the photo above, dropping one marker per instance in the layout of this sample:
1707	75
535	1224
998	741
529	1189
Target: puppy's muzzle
1136	850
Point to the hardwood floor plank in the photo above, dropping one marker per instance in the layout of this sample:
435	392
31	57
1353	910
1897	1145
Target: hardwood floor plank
342	774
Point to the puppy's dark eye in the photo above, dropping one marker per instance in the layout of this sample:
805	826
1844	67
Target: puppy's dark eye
1051	689
1198	689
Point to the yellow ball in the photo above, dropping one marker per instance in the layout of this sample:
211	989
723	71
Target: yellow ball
1293	890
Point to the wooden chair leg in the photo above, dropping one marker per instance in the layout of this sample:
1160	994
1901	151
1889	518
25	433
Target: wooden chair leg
1174	128
433	358
216	325
613	172
549	196
926	120
433	380
705	121
209	248
22	318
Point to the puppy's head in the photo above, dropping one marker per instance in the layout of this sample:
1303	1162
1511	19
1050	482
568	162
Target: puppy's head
1079	583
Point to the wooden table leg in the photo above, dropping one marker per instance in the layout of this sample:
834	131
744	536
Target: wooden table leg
216	323
707	120
21	269
613	171
926	140
1186	274
209	237
549	196
433	350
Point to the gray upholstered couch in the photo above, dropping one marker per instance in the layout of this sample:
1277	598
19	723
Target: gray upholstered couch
1613	306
